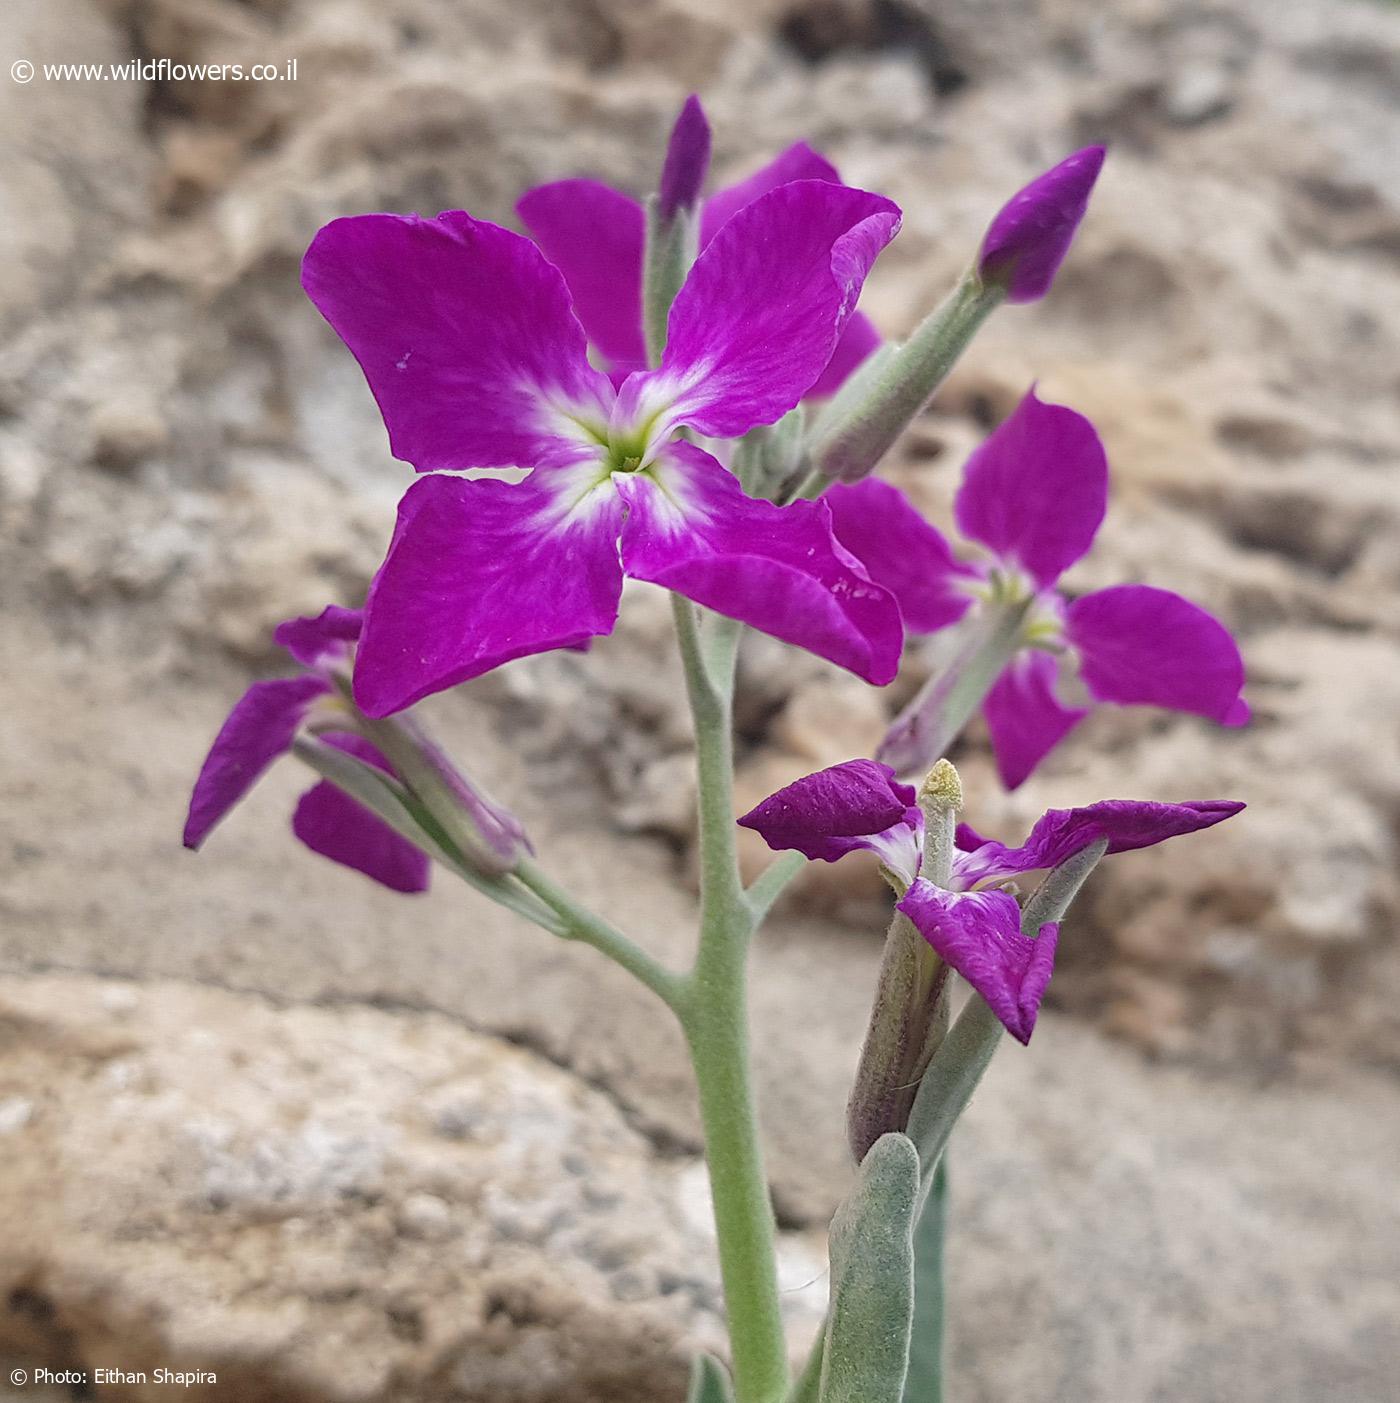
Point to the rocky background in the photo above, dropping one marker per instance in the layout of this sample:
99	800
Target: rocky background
333	1145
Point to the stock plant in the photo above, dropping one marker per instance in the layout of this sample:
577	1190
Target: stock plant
686	395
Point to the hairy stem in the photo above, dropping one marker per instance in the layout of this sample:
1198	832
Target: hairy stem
929	724
849	448
579	923
714	1013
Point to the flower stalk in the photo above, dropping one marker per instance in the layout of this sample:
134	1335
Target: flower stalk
612	356
714	1014
935	717
960	1063
849	449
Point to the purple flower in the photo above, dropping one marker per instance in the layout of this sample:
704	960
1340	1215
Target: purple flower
263	725
595	236
860	804
1034	496
466	337
1028	240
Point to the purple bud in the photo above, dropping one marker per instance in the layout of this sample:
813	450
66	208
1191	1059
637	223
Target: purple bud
1030	236
687	160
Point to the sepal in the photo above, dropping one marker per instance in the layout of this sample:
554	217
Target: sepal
488	837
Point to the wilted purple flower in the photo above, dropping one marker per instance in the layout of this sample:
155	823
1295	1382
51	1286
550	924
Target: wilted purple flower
466	337
1027	241
596	237
860	804
263	725
1034	494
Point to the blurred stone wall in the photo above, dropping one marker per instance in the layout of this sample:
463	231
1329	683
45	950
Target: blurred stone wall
187	455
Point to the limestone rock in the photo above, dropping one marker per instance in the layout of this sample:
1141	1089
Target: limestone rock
337	1204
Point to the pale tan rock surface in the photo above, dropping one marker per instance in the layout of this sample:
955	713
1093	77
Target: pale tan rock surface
338	1204
348	1203
187	455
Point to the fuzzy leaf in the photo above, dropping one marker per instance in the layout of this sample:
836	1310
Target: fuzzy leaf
925	1381
708	1382
872	1279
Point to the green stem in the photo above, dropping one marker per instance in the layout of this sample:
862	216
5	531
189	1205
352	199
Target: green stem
714	1013
671	246
770	884
398	808
929	724
850	447
579	923
924	1383
958	1065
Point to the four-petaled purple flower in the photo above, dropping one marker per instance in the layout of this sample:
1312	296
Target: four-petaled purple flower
262	726
596	237
1034	496
860	804
466	337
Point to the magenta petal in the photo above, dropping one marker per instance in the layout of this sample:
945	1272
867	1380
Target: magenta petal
858	341
260	727
979	935
1035	491
798	162
313	641
1025	719
857	804
760	314
781	569
480	572
331	823
1032	232
1126	824
879	525
687	160
595	237
465	335
1142	645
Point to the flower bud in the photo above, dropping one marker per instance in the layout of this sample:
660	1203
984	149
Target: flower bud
687	161
673	223
1028	240
491	839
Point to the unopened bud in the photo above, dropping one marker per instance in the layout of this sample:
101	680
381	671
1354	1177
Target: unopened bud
490	838
687	161
1028	240
673	223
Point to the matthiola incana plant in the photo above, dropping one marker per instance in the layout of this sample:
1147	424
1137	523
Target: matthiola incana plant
681	391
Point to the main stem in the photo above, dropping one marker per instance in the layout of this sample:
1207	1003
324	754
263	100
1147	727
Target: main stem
714	1012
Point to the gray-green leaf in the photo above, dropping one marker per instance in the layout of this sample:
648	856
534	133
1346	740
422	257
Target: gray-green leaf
708	1382
925	1381
872	1279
